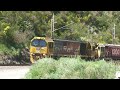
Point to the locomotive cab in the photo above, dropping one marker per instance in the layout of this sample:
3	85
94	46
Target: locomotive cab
101	51
49	46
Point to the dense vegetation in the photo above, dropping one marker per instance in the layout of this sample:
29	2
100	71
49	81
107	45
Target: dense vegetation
71	68
17	28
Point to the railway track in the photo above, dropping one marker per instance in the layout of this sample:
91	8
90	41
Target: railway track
15	64
12	62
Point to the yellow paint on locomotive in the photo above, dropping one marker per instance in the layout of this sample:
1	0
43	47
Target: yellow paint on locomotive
101	51
32	49
43	50
36	51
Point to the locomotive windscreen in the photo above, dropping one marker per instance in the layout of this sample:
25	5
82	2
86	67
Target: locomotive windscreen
39	43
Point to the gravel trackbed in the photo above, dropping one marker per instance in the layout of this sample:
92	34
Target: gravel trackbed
13	72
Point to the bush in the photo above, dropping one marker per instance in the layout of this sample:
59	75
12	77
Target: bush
8	51
71	68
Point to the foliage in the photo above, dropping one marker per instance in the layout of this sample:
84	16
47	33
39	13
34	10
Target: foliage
71	68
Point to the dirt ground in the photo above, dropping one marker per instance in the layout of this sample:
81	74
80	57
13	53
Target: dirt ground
13	72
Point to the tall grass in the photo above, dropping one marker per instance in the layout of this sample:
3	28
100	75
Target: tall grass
71	68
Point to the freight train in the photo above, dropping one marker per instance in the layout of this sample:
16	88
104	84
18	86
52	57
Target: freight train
41	47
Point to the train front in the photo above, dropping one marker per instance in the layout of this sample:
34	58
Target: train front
38	48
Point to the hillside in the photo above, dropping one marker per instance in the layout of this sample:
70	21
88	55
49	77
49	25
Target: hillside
17	28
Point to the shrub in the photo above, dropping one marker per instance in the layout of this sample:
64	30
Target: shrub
71	68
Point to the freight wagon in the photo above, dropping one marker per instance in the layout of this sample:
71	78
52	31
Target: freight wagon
112	51
66	48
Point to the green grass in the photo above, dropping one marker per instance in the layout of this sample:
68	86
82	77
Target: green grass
71	68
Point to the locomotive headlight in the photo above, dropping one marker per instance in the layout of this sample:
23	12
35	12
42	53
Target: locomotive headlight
42	48
33	54
43	54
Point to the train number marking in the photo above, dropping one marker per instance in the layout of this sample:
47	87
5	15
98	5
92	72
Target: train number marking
115	52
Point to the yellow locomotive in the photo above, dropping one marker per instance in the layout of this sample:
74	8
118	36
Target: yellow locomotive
39	48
